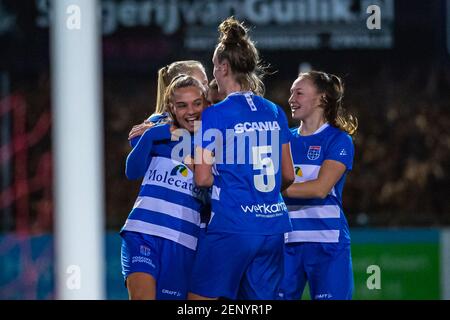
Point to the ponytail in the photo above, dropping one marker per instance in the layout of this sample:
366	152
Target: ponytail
162	85
332	88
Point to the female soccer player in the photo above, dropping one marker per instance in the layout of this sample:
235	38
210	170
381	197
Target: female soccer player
241	255
317	251
165	76
159	238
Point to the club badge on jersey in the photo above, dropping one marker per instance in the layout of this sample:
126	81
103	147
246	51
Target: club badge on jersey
313	152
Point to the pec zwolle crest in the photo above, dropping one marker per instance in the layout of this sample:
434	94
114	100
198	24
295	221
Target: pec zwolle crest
313	152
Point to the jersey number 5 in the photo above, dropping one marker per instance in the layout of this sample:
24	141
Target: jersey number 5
265	164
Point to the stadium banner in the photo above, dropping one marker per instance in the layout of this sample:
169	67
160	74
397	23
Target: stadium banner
149	31
279	24
388	264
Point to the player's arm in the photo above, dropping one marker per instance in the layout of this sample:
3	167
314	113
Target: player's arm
287	167
203	168
329	174
138	130
139	158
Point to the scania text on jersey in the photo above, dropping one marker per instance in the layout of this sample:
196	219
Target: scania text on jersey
237	145
256	126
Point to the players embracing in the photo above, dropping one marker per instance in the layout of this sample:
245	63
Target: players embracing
243	160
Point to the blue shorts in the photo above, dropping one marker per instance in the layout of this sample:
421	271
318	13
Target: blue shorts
327	267
168	262
238	266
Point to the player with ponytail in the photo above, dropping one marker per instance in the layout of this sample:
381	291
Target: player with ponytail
317	251
241	254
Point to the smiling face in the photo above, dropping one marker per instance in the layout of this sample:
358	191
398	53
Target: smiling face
304	100
187	105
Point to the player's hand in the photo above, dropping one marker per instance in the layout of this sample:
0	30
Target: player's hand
189	162
138	130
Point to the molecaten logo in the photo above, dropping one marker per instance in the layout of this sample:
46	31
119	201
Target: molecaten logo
298	171
179	169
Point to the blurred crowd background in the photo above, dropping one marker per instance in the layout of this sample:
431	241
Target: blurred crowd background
397	82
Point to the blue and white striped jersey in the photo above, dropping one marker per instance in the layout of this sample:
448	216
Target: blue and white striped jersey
319	220
169	204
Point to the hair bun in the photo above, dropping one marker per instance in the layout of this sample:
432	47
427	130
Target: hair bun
232	31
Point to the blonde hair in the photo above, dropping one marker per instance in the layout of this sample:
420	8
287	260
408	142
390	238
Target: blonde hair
332	88
168	73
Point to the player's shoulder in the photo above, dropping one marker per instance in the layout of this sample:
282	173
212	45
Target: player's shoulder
265	101
217	107
215	112
338	135
212	109
157	117
269	105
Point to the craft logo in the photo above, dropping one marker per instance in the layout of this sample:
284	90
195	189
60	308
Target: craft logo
179	169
